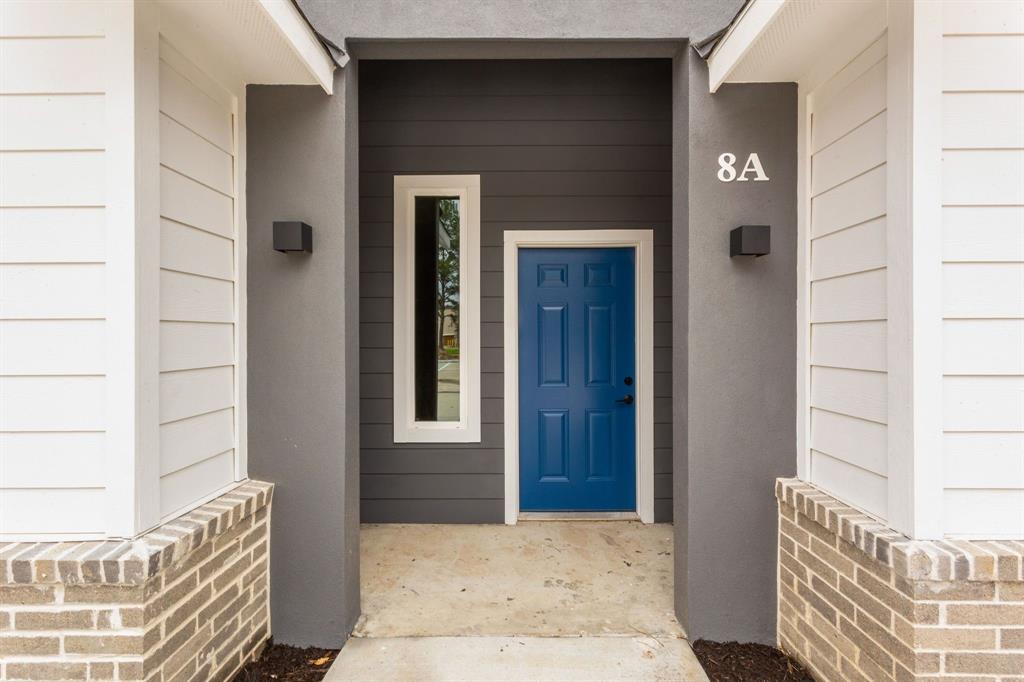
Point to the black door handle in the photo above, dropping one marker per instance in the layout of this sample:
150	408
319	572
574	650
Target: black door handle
628	400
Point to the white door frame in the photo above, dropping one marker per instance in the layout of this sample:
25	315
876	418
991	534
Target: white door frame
642	241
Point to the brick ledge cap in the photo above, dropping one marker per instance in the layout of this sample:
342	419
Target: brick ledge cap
929	560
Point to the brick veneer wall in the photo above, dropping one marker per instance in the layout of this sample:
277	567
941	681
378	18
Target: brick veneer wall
187	601
859	601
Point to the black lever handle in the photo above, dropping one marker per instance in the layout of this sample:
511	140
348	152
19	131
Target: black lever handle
628	400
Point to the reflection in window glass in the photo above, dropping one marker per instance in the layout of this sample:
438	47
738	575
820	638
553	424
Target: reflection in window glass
436	305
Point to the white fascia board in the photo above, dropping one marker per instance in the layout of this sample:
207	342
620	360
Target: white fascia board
744	32
300	37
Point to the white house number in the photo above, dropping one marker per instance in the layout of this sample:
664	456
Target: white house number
727	169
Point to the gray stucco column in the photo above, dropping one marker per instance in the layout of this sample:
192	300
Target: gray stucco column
303	352
737	395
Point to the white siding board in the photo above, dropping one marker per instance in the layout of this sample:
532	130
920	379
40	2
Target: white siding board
30	512
859	487
192	156
974	290
52	178
854	345
188	441
195	298
848	391
52	460
983	176
52	235
186	201
984	514
52	291
184	102
59	347
983	403
191	345
989	62
983	233
41	19
857	441
852	297
982	16
197	391
979	120
182	488
55	122
859	101
973	347
854	249
52	65
52	403
859	200
983	460
187	249
853	154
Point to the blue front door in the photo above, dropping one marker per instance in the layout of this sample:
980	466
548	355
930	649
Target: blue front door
577	382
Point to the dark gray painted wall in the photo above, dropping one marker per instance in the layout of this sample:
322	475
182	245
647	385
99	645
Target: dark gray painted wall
303	353
740	383
577	144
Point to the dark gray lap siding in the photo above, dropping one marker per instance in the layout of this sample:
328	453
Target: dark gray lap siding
575	144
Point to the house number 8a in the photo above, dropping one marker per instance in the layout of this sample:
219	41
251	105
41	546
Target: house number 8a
727	169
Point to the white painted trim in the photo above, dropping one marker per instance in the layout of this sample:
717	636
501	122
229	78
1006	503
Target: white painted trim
805	113
744	32
643	243
406	428
301	39
580	516
914	268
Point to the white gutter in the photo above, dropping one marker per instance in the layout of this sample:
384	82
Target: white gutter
304	43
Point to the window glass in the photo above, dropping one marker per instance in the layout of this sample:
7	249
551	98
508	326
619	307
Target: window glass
436	309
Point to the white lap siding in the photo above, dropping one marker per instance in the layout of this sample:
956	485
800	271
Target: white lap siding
983	268
53	233
198	285
847	263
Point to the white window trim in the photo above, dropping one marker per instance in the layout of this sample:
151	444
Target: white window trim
642	241
406	428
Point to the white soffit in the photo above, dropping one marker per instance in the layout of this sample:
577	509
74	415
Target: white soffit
781	41
253	41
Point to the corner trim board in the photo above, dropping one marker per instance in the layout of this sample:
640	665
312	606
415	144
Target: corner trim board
643	243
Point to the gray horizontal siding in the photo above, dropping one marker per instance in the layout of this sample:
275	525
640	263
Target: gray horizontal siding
577	145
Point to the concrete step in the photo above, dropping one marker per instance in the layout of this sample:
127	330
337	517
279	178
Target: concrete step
516	659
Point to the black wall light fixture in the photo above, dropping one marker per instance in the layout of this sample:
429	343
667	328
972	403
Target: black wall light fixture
292	235
750	240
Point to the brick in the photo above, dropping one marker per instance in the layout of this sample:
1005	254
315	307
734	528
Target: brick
232	572
102	671
1011	638
901	652
867	647
168	646
985	614
47	671
951	639
836	639
232	609
5	620
863	600
1011	591
816	530
836	600
817	566
53	620
218	604
217	562
790	529
103	644
886	594
194	559
188	651
985	663
926	590
25	594
12	645
171	596
851	672
183	675
103	594
869	564
188	608
816	602
131	617
131	670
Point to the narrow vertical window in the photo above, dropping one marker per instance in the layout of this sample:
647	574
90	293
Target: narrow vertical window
437	328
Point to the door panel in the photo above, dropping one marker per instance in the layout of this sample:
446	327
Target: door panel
577	362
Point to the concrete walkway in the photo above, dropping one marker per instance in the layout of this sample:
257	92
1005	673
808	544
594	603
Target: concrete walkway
537	601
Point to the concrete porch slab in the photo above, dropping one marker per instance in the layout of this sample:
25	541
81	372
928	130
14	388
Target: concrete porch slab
516	659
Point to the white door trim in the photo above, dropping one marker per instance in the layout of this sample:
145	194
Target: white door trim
643	243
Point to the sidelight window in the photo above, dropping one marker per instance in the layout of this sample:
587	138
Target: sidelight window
437	303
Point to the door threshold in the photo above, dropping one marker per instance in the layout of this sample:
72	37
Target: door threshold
579	516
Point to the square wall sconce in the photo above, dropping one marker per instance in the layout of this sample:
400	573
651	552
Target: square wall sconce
292	235
750	240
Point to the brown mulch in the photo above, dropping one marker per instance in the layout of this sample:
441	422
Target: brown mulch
288	664
735	662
